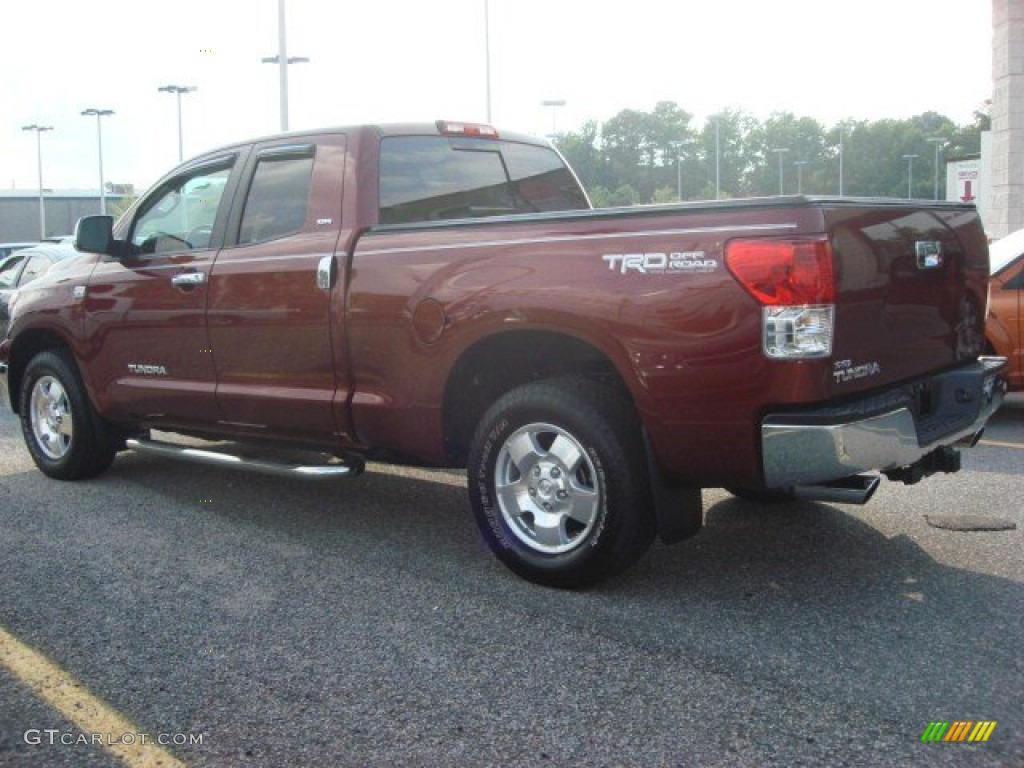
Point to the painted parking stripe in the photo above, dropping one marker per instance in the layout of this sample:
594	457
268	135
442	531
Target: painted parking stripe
93	716
1001	444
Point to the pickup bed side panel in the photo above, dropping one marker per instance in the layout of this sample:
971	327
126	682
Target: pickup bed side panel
650	292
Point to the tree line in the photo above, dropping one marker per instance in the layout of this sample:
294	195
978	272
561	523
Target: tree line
661	156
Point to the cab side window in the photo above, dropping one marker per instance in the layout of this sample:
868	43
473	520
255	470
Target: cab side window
9	271
180	215
278	197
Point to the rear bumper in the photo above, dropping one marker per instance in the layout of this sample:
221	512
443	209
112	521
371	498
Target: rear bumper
887	431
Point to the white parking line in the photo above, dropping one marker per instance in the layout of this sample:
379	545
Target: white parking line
92	715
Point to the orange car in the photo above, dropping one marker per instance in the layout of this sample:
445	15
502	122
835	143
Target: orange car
1004	327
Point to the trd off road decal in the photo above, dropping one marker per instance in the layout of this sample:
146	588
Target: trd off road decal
686	262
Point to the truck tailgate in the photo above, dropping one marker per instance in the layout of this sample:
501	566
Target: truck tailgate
912	289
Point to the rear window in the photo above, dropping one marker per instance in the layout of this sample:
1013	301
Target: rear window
278	199
432	178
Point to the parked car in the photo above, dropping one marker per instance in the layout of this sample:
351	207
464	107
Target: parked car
25	265
6	249
1004	326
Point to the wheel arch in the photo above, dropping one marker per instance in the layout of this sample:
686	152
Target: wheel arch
26	346
502	361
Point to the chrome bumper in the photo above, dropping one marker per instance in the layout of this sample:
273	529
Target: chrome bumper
817	447
5	400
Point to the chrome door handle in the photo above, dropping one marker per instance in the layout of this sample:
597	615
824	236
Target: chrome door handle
325	272
189	279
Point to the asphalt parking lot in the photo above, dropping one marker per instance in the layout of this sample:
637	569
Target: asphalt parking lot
246	620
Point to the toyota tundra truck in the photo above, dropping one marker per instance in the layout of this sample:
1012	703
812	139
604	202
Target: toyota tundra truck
443	294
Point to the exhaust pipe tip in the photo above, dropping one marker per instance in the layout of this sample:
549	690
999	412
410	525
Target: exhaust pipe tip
857	489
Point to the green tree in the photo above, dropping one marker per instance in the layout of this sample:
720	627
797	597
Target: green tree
583	152
640	157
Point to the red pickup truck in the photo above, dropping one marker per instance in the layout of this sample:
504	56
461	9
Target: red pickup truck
443	294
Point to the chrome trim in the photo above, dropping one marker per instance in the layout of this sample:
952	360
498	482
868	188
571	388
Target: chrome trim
568	238
218	459
808	454
5	399
189	279
929	254
325	273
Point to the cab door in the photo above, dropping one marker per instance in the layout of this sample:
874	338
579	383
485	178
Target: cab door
278	340
144	311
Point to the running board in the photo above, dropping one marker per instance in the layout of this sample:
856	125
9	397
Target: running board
850	490
218	459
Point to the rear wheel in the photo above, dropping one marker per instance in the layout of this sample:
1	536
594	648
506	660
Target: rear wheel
558	484
64	435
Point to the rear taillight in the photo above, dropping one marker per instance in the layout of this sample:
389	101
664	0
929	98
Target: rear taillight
783	272
793	280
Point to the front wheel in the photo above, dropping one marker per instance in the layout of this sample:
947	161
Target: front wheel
63	433
558	483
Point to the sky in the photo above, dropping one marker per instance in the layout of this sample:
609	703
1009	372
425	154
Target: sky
412	60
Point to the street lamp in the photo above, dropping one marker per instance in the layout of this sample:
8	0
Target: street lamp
841	155
938	141
100	113
718	157
679	178
910	174
283	60
178	90
39	154
677	148
780	151
487	54
799	175
554	104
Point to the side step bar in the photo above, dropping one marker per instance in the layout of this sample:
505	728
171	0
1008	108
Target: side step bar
219	459
850	490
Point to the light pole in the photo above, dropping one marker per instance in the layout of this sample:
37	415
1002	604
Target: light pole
100	113
679	177
178	90
938	141
39	154
487	54
283	60
841	153
799	175
554	104
910	174
677	150
718	157
780	151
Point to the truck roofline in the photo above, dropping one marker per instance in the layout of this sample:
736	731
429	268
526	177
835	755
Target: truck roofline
380	129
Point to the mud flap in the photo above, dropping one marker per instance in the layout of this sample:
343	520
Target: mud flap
678	512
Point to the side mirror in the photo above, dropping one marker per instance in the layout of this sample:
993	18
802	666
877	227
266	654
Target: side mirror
95	234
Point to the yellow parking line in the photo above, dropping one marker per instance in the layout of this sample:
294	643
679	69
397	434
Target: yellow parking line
1000	444
93	716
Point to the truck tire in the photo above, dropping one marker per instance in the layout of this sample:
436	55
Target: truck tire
558	484
65	436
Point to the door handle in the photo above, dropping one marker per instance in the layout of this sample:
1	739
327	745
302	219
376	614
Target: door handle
189	279
325	272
